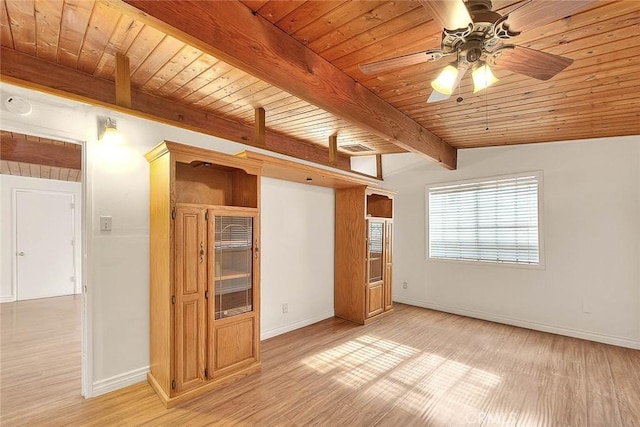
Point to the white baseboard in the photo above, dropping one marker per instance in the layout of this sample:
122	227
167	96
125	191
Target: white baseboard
119	381
296	325
575	333
10	298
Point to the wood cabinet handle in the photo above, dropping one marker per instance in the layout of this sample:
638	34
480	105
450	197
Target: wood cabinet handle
201	252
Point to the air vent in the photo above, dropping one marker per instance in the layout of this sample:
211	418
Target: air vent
355	148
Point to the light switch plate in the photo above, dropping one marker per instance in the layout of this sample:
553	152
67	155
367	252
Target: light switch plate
105	223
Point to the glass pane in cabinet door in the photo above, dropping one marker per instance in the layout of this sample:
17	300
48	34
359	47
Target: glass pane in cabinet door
233	264
375	251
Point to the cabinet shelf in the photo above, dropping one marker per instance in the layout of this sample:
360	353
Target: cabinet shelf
232	275
233	311
232	244
230	289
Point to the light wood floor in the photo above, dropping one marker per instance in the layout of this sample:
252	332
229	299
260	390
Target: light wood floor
416	367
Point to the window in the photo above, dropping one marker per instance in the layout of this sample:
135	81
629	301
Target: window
494	220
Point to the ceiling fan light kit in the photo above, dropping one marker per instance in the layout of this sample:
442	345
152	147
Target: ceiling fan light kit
476	35
446	80
482	77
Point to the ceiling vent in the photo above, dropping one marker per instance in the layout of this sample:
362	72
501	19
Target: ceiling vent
355	148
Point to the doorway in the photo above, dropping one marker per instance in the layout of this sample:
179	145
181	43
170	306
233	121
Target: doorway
43	219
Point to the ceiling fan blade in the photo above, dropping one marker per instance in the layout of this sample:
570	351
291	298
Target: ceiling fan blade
451	14
537	13
439	96
379	67
530	62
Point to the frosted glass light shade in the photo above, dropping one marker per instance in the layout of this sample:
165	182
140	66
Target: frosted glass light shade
110	135
445	81
482	78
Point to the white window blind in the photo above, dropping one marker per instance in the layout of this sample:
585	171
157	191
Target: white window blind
494	220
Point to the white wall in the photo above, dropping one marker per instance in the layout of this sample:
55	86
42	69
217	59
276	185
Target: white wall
8	183
591	232
117	261
297	255
364	164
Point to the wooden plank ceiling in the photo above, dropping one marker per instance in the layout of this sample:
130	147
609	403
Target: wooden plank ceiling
597	96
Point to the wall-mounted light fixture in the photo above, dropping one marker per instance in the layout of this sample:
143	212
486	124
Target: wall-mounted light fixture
110	134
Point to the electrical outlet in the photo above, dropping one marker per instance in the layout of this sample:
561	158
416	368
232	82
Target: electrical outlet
105	223
405	285
285	308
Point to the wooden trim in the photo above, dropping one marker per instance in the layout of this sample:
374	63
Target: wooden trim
260	126
377	316
382	191
379	166
123	81
33	73
230	210
170	402
187	154
232	33
164	398
274	167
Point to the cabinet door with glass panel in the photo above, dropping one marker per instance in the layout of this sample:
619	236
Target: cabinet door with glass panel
234	271
375	266
388	262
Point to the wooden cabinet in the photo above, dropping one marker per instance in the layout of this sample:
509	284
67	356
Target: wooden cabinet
204	270
364	253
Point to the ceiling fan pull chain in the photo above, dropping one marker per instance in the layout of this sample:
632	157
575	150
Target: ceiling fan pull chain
486	109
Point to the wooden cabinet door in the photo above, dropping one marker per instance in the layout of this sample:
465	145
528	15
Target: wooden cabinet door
388	257
233	284
190	286
375	267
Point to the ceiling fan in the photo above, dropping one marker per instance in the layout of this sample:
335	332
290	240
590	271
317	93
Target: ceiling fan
475	36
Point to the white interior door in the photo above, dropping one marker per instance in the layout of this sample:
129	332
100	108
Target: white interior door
44	244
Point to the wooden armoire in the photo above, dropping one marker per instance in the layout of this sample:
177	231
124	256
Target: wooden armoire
204	270
363	253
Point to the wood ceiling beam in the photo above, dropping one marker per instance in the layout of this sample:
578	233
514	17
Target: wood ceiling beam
231	32
260	126
333	148
31	72
23	151
123	81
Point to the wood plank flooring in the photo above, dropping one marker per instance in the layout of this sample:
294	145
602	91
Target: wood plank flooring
417	367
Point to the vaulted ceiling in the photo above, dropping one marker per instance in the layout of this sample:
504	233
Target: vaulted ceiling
223	67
